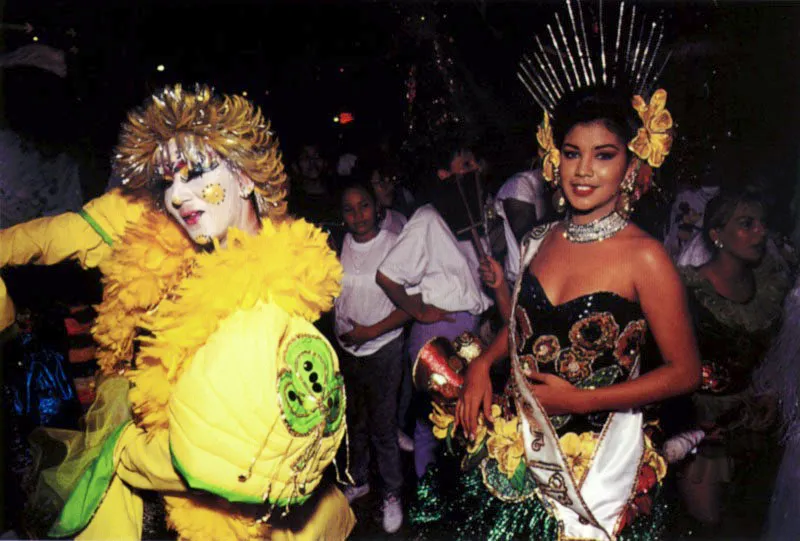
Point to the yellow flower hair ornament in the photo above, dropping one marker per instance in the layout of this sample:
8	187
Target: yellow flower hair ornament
550	155
654	139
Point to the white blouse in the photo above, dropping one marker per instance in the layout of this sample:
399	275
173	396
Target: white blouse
428	259
362	300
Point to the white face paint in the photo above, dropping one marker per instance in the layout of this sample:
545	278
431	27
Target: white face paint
204	200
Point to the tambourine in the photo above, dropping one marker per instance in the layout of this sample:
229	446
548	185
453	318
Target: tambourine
440	364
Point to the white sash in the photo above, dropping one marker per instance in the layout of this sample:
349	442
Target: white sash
593	509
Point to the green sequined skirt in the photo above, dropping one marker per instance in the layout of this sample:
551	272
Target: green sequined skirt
452	504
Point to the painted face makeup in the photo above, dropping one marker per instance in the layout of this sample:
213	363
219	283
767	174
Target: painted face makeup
202	196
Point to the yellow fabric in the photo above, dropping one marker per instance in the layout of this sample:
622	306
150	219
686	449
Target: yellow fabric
7	311
331	520
80	447
223	414
46	241
156	283
159	289
144	463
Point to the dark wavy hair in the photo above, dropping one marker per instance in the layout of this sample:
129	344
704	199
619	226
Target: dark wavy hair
612	107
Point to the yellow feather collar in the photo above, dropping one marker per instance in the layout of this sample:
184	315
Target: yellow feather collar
161	291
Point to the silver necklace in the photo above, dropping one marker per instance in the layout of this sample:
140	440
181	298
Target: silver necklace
596	231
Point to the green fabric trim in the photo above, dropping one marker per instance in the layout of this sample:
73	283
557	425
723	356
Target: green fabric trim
96	226
85	499
234	497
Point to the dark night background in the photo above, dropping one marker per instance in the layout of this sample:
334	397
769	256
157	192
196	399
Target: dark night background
732	78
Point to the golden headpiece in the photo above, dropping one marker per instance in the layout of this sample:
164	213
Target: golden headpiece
615	60
198	122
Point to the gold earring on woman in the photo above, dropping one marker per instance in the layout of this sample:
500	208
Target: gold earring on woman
559	201
625	202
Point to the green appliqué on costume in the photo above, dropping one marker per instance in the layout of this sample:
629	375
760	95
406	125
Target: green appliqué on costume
518	488
311	391
198	483
85	499
96	226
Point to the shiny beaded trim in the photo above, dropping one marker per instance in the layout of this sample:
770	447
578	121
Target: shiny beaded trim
598	230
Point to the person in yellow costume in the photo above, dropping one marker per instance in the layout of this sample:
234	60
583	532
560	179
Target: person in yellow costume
217	391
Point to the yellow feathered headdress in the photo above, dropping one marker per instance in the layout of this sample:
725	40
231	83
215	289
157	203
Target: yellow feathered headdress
199	121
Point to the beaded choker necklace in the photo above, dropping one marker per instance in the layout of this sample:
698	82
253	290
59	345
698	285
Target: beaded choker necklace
598	230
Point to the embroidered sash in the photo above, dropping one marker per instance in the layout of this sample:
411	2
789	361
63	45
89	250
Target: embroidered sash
591	510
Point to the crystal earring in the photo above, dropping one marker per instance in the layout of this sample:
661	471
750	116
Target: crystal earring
559	201
625	202
718	244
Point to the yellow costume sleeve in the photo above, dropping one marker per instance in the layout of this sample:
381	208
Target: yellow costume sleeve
144	463
46	241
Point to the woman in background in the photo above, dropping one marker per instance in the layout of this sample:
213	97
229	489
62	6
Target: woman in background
736	301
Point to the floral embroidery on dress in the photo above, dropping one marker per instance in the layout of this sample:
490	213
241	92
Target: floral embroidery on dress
523	330
505	444
629	343
651	473
572	367
596	333
578	450
716	378
546	349
527	365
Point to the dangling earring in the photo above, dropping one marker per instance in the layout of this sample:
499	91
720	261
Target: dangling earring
718	244
559	201
625	202
246	191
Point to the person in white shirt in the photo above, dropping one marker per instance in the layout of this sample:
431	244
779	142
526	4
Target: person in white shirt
368	327
523	201
434	277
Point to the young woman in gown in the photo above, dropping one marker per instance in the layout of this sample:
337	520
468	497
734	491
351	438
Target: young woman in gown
582	312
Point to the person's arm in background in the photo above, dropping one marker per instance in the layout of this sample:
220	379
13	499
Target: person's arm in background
85	237
361	334
494	278
521	217
411	304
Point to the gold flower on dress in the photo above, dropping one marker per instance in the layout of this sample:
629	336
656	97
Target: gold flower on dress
551	157
442	421
654	139
631	339
527	365
546	349
480	434
578	451
573	367
654	460
595	333
505	444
